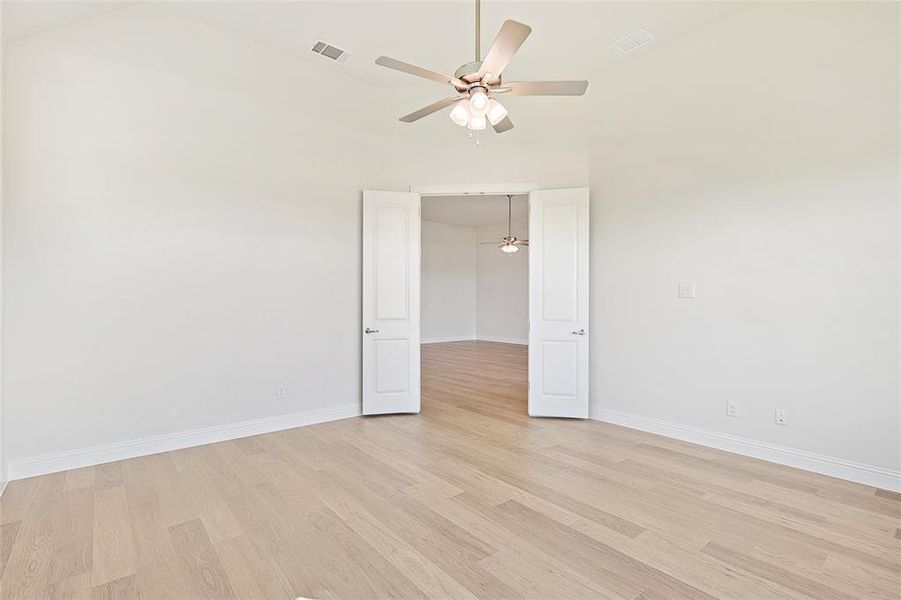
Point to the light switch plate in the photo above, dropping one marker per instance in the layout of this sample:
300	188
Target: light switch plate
686	290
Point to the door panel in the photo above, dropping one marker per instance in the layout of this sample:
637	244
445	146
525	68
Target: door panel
560	265
558	303
392	366
391	245
559	369
390	302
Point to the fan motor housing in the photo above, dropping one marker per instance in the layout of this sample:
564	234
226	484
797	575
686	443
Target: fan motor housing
470	73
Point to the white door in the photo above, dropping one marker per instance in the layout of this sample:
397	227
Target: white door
558	303
390	302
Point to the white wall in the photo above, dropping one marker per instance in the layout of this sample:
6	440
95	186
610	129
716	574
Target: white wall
179	227
470	290
431	153
759	159
503	286
183	228
2	437
181	237
448	293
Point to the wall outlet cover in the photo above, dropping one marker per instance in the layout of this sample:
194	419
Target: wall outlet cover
781	416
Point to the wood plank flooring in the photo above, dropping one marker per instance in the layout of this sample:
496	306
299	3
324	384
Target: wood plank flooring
470	499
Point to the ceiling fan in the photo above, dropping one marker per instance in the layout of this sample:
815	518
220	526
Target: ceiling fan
476	82
511	243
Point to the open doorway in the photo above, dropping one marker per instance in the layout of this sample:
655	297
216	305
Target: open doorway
557	302
475	303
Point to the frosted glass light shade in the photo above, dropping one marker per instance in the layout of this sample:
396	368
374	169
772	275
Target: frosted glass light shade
496	112
509	248
478	102
477	122
460	113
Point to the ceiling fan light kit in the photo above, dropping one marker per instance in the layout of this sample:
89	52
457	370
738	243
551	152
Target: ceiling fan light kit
474	83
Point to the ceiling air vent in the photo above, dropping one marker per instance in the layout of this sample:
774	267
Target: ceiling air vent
634	40
329	51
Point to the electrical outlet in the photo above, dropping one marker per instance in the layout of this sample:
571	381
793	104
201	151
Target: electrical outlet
731	408
281	393
781	416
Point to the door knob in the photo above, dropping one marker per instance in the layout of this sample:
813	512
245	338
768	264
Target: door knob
368	330
580	332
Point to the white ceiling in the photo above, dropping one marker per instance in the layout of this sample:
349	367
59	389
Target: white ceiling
473	210
27	17
570	40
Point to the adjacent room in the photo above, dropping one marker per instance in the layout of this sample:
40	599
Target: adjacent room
475	302
361	299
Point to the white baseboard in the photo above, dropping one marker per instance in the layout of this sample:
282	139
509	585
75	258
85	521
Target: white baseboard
486	338
462	338
62	461
85	457
879	477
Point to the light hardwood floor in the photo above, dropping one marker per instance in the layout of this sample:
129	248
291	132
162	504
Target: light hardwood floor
471	499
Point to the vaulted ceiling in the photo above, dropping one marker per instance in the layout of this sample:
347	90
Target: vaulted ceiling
570	40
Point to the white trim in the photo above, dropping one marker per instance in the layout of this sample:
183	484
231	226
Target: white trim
878	477
488	338
470	338
465	189
441	340
85	457
2	487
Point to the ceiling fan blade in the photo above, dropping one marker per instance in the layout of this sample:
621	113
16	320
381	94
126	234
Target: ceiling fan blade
508	40
427	110
505	125
546	88
521	242
399	65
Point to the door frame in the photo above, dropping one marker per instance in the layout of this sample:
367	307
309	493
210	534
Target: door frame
481	189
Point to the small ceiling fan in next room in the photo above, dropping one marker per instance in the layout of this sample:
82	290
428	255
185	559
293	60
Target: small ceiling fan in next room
509	244
476	83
